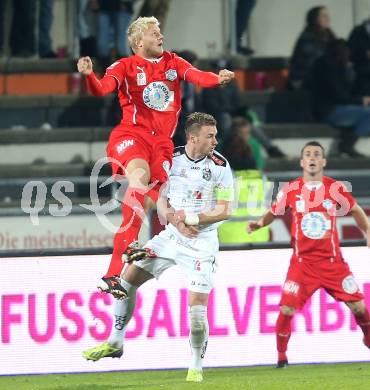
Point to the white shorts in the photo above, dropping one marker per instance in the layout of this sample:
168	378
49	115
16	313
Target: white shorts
197	256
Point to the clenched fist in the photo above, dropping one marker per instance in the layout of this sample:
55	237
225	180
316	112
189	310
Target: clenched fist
85	66
225	76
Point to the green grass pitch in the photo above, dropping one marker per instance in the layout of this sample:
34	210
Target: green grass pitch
348	376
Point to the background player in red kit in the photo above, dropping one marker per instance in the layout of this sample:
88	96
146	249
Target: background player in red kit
315	201
140	147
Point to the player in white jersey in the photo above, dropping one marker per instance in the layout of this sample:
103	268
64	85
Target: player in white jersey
197	199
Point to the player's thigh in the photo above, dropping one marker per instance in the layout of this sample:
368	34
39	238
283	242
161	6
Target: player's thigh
299	286
125	149
200	273
134	275
161	162
339	282
165	250
201	262
198	258
138	172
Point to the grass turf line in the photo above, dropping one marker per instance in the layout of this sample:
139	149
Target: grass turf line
301	377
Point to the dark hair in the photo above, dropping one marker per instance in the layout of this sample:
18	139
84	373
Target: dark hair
235	147
239	122
196	120
312	16
312	24
313	143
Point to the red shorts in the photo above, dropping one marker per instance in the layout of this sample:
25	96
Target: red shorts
305	277
156	150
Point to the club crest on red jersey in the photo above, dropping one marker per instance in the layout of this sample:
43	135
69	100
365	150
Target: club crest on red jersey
171	74
141	78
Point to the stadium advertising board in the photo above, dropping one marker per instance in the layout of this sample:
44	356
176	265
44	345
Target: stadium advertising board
86	231
52	312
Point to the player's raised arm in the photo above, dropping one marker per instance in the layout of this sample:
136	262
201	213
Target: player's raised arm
194	75
95	86
362	221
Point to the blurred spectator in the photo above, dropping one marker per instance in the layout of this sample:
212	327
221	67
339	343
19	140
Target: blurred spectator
245	158
240	148
227	102
156	8
2	31
243	12
113	20
45	23
223	103
333	99
22	33
310	45
87	27
359	43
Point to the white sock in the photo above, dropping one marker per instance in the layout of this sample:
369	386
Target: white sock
123	310
199	331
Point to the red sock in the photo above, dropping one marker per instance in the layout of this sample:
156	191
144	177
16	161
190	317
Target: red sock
133	213
363	321
283	330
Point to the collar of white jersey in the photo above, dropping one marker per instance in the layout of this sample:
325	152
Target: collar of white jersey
191	159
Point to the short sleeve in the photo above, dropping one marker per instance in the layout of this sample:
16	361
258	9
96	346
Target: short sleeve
281	203
224	189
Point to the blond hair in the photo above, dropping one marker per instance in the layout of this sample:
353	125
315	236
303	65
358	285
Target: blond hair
137	28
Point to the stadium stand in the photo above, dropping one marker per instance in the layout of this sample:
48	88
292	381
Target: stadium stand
57	134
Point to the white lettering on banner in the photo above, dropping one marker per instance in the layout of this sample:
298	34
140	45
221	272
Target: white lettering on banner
55	313
72	231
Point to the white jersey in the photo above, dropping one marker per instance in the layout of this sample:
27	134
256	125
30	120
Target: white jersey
194	185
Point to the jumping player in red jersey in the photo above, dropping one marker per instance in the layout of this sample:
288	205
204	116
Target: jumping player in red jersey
315	201
140	147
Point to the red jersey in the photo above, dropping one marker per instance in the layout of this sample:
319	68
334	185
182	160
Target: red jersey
315	207
149	91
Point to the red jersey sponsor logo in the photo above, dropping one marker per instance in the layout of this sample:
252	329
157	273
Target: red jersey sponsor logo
124	144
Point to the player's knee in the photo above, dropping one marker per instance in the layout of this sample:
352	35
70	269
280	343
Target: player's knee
197	327
287	310
148	204
357	308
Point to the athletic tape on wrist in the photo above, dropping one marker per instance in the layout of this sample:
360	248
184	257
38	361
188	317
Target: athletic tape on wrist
191	219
